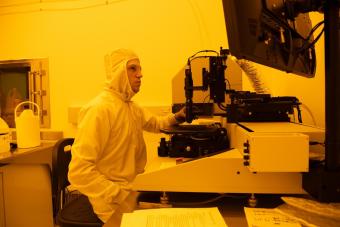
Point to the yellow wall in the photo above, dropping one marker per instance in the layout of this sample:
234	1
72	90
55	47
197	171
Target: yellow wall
75	35
163	33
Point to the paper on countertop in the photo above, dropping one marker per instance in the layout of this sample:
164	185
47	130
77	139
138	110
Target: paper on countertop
265	217
174	217
327	210
310	212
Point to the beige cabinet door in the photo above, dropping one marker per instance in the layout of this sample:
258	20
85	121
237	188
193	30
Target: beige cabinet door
2	201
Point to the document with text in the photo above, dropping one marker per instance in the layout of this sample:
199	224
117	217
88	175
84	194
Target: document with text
174	217
268	217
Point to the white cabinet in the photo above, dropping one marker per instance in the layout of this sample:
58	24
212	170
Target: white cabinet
2	202
26	195
25	192
25	187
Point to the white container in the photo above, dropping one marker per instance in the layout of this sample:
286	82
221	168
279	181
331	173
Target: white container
27	126
4	137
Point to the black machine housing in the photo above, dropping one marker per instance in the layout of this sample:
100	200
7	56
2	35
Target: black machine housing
192	141
248	106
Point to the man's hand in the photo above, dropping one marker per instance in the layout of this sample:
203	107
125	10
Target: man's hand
180	115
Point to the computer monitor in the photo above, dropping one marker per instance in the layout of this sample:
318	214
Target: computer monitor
259	31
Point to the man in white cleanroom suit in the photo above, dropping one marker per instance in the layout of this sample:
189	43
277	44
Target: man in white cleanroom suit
109	149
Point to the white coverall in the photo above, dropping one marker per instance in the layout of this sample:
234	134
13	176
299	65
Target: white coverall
109	148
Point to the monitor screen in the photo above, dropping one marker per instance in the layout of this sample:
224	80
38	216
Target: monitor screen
259	31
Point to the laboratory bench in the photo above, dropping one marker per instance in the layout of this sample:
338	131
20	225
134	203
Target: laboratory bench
231	206
282	207
40	154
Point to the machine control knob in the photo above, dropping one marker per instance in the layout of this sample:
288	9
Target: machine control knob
163	150
246	147
246	144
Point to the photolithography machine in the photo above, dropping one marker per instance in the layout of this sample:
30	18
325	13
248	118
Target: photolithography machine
256	147
253	147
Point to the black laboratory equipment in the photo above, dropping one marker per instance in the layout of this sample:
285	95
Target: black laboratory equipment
193	141
212	79
278	34
196	140
201	140
268	32
243	105
246	106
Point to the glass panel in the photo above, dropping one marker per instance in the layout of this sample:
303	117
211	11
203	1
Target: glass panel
13	90
24	80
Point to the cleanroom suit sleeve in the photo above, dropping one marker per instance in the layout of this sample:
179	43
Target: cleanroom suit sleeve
93	133
153	123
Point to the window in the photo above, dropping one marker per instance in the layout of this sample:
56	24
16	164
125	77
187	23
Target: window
24	80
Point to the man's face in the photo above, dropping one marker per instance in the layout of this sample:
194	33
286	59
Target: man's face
134	72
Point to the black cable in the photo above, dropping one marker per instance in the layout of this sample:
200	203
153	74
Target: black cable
205	98
299	114
201	51
306	44
205	201
193	57
316	143
228	83
190	60
40	9
315	40
291	58
314	29
220	105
